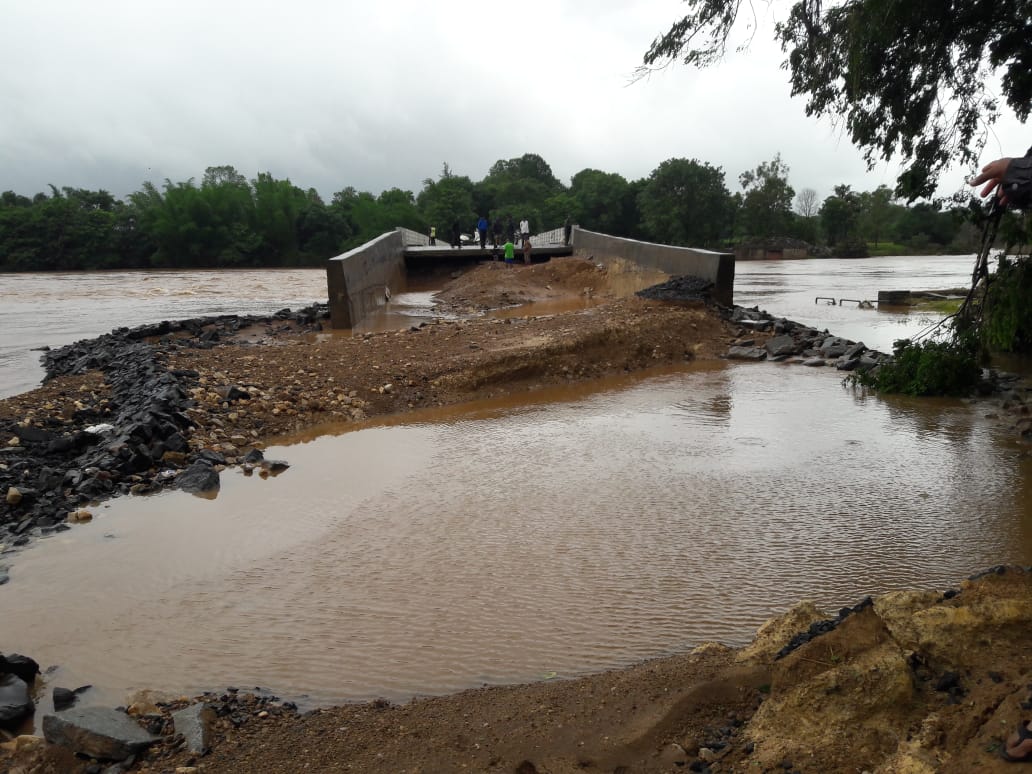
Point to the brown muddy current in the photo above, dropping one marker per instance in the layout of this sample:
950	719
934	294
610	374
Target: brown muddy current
574	531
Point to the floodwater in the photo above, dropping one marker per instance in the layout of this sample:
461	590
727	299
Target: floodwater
38	310
571	531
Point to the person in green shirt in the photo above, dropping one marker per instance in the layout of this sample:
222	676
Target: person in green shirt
510	252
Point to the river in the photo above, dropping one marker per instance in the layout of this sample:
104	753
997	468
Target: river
580	529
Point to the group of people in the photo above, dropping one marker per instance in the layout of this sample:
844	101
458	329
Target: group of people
503	236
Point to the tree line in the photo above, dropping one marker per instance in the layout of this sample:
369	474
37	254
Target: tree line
228	221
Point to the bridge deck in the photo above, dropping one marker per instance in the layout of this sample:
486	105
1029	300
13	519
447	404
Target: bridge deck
473	252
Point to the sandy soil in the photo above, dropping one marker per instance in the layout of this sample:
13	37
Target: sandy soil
915	683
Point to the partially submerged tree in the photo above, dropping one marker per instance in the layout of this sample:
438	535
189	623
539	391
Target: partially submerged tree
913	80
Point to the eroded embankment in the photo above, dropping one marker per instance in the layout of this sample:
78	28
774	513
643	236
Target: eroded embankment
908	682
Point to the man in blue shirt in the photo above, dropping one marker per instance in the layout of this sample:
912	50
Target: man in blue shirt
482	230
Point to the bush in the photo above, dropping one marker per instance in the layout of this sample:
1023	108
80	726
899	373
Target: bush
1007	311
942	367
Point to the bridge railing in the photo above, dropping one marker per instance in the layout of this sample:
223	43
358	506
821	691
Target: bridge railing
412	238
553	237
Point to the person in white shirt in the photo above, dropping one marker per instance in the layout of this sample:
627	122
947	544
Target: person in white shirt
525	228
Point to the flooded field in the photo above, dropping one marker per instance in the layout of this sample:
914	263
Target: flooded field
502	542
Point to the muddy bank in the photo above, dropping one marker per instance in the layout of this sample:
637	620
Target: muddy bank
918	681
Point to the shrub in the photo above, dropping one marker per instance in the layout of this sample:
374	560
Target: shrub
948	366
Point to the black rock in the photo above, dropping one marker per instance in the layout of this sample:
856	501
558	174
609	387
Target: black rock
63	698
679	289
214	457
33	434
97	732
199	478
254	456
16	664
15	700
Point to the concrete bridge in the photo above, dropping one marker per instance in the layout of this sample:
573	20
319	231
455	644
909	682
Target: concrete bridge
359	280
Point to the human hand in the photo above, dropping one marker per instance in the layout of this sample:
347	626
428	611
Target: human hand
992	175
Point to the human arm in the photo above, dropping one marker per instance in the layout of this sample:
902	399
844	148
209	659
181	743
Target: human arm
1011	178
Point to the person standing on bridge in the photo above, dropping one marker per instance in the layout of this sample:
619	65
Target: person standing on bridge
496	231
482	231
567	230
526	250
525	228
433	235
456	234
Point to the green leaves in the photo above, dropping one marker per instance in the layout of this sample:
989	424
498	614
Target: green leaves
911	80
685	202
944	367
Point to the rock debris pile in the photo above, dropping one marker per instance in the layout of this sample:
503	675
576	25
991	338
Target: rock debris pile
127	431
686	288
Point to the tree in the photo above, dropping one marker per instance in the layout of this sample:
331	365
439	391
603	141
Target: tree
601	200
839	215
875	213
685	202
806	203
767	201
519	187
912	80
448	199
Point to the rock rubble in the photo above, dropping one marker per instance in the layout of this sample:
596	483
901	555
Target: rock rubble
127	431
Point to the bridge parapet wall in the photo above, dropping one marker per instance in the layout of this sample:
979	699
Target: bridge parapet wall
357	281
553	237
413	238
719	268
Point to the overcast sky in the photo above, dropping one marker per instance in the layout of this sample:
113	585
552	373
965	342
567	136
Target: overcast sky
380	93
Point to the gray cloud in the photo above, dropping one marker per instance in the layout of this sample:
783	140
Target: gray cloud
110	93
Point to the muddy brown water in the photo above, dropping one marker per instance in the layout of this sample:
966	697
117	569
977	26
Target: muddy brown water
576	530
545	536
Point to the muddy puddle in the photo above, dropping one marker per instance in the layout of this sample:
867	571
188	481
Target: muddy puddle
509	541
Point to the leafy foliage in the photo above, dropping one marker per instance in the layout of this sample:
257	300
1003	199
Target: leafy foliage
948	366
685	202
767	202
228	220
911	79
1007	317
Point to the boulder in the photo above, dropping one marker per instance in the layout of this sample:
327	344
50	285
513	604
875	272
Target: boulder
855	351
757	325
254	456
15	700
22	666
746	353
199	478
274	466
781	345
815	362
63	698
195	723
98	732
833	347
